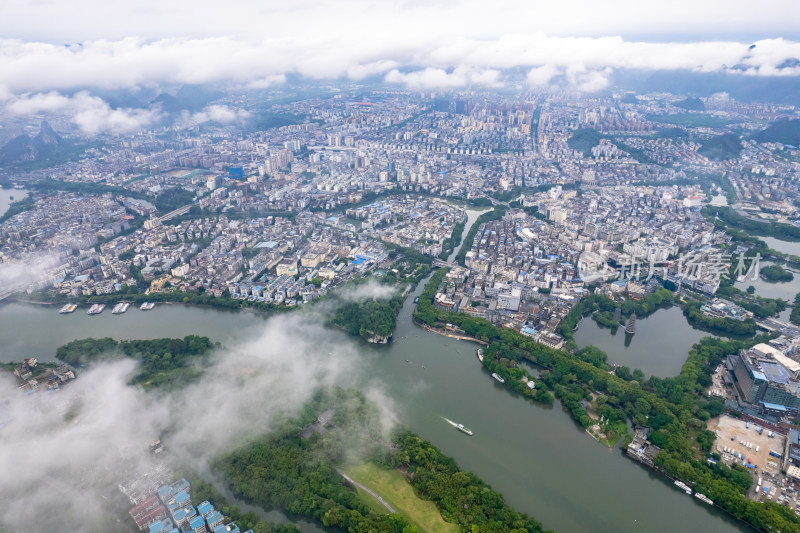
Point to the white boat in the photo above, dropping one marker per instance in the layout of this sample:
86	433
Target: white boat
686	488
464	429
69	308
480	355
96	309
704	498
147	306
120	308
497	376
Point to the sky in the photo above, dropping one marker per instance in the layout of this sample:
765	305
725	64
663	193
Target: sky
50	48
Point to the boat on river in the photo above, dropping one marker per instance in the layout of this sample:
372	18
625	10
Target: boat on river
120	308
480	355
69	308
681	485
497	376
704	498
96	309
147	306
464	429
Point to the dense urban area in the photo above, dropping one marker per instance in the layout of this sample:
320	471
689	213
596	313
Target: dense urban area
521	216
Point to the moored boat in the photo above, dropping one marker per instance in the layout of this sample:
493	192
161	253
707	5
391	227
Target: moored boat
96	309
704	498
147	306
69	308
497	376
120	308
680	484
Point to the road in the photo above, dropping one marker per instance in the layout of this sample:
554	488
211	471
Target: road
367	490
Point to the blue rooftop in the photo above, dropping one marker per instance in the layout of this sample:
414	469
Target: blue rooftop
773	406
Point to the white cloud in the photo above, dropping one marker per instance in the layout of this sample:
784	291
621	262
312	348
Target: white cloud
269	81
90	113
219	113
441	78
32	67
589	81
541	76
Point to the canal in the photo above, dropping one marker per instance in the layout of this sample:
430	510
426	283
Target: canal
537	457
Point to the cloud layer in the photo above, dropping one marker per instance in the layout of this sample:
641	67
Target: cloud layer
574	44
36	67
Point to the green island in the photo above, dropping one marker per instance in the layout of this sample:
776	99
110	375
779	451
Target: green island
451	242
776	274
298	468
168	363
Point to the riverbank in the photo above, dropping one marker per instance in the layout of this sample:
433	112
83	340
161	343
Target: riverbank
444	333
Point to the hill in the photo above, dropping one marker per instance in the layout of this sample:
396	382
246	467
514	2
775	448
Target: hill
188	97
721	147
782	131
691	104
47	145
583	140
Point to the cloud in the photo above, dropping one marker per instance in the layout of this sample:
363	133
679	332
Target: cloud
219	113
35	76
541	76
371	289
269	81
431	61
90	113
34	269
588	81
440	78
63	454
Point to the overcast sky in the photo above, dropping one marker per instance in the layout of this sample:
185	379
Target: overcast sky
51	47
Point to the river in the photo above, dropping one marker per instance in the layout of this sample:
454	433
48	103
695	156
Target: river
9	196
537	457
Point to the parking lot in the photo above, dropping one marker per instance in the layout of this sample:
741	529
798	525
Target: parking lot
743	443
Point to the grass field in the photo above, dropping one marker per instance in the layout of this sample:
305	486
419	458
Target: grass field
393	487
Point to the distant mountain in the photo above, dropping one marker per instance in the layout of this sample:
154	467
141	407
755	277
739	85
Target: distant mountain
168	103
778	89
22	149
188	98
692	104
781	131
47	136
